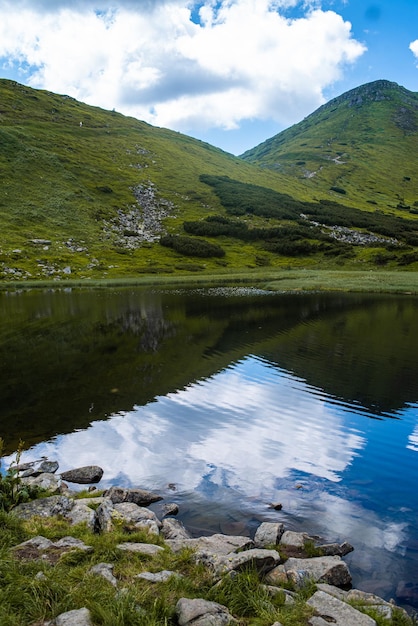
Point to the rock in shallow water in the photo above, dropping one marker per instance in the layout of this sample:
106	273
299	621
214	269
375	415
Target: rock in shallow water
83	475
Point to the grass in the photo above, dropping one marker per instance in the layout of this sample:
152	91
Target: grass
371	281
34	590
74	187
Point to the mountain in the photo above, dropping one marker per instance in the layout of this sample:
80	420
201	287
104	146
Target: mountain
360	147
89	193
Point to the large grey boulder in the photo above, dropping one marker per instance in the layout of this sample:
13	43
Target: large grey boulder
268	534
44	507
138	496
362	599
202	613
83	475
262	560
328	569
331	609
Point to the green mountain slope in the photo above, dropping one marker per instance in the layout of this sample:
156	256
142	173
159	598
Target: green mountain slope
360	148
89	193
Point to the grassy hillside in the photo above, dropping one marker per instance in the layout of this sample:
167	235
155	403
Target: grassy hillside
88	193
360	149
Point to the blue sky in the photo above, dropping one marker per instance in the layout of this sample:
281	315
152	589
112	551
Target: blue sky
230	72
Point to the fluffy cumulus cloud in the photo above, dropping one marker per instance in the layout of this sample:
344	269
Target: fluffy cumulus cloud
414	48
182	64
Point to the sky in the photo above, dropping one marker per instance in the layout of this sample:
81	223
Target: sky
229	72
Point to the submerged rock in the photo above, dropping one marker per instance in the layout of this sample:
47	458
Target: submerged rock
137	496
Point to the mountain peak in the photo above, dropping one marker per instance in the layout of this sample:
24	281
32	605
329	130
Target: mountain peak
376	91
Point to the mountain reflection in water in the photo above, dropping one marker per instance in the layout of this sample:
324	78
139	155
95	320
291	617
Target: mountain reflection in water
237	398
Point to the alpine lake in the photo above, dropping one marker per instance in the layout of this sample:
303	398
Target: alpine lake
227	400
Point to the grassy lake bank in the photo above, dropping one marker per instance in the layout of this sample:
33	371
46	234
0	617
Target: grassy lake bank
371	281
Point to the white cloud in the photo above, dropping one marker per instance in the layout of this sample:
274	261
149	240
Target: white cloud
413	46
243	61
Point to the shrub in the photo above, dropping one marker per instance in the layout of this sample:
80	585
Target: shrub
190	246
12	490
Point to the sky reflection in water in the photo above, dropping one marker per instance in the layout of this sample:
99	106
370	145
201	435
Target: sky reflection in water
253	434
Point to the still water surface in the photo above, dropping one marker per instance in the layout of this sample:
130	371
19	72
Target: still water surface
227	400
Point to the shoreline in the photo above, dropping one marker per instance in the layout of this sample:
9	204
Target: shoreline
291	280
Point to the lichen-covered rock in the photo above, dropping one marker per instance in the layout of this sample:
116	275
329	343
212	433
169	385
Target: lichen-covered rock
44	507
202	613
328	569
104	518
45	480
81	513
77	617
261	560
331	609
105	570
268	533
293	539
138	516
173	529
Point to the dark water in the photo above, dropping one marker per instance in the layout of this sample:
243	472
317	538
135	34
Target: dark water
227	400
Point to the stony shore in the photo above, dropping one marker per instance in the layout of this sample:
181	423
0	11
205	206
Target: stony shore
285	560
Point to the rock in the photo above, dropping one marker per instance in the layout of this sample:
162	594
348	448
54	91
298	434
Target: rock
104	513
138	496
139	516
106	571
262	560
268	534
37	467
202	613
328	569
77	617
213	545
170	509
38	542
47	481
293	539
277	576
44	507
83	475
335	549
141	548
94	500
41	548
277	506
407	592
158	577
333	610
72	543
81	513
174	529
